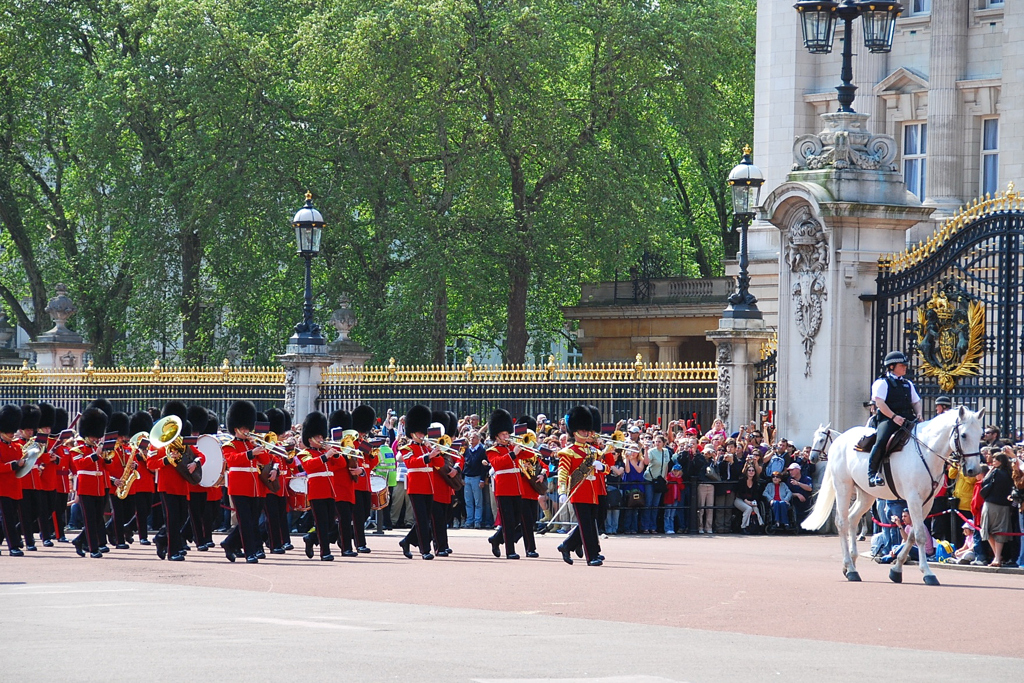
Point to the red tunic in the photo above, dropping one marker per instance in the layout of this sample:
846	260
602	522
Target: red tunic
418	469
569	460
344	486
61	457
319	476
608	459
146	483
368	463
10	485
90	470
243	475
115	468
527	491
507	476
168	480
47	465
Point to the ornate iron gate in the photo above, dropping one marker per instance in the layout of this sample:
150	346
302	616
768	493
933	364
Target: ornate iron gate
953	305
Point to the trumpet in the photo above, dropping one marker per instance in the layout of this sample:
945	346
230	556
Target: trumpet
269	445
528	442
618	441
444	443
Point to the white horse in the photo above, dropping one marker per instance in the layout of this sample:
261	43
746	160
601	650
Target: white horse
917	470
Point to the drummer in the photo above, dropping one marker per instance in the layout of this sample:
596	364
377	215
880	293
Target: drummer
363	419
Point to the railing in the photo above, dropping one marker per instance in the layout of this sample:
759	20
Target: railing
130	389
765	380
655	392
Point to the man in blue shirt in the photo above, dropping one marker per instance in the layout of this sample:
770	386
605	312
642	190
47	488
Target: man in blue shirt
473	474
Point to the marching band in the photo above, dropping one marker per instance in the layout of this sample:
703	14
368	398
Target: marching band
330	469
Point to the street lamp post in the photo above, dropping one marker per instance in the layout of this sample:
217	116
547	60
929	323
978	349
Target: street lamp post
745	179
308	224
818	19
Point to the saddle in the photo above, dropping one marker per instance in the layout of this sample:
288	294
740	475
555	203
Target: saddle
896	442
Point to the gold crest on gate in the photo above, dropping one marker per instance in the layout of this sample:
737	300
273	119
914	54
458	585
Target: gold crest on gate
950	335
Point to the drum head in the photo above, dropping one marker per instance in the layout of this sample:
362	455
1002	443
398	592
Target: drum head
378	483
210	447
298	485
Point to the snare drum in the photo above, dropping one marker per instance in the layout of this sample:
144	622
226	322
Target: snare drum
297	487
379	492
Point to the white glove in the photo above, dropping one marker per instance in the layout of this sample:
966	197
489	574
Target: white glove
562	498
490	472
598	466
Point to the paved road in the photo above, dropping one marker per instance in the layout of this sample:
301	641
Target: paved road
678	609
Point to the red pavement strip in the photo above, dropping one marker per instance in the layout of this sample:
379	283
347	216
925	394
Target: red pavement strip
776	586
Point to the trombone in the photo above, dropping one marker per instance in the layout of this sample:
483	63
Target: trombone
527	442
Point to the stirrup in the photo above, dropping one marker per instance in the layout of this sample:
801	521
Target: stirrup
876	479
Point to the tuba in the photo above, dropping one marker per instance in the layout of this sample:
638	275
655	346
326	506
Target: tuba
529	466
169	436
30	452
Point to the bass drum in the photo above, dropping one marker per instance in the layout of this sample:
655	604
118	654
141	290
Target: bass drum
379	492
297	488
298	484
213	468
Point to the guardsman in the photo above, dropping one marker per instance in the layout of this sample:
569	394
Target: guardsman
277	501
198	416
31	491
140	500
363	419
211	509
60	460
316	460
243	460
583	495
897	402
47	474
530	506
121	510
417	456
344	482
441	492
90	480
10	486
507	482
171	486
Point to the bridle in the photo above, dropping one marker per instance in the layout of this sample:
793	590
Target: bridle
958	455
824	445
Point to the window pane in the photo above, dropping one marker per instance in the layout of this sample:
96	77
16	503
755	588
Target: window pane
924	138
910	139
991	134
910	174
924	178
990	174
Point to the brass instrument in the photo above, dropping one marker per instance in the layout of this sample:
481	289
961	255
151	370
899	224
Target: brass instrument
619	442
349	451
180	457
528	442
30	452
131	468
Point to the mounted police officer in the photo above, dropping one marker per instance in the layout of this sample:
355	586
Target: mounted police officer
897	402
942	404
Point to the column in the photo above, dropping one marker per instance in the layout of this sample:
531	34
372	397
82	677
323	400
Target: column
737	349
303	373
1011	97
946	122
668	348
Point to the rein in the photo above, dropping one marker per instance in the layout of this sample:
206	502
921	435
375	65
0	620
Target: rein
824	445
955	459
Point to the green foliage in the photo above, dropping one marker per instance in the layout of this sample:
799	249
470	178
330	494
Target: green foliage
475	162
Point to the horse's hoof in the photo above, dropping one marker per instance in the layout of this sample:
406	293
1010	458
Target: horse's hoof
931	580
853	576
895	576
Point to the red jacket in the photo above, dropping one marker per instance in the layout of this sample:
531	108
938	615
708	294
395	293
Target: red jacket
146	483
167	479
243	475
528	492
368	463
569	460
319	476
10	485
61	458
418	469
344	485
47	464
90	470
506	472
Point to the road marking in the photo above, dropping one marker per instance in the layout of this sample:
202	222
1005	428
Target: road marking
305	624
609	679
95	590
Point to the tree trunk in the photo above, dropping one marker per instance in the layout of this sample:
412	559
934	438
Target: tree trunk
10	217
191	295
515	333
439	327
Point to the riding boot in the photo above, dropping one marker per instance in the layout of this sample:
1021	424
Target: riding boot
886	428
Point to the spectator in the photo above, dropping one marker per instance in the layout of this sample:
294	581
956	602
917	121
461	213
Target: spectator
800	486
632	480
705	488
991	436
674	515
996	511
729	470
748	490
474	474
717	430
1017	496
658	459
777	494
906	527
614	484
963	491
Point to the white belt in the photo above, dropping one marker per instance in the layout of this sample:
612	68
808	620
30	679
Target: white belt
320	474
92	473
591	478
410	470
514	470
242	469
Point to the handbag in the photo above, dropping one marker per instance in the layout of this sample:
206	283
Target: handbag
660	485
634	498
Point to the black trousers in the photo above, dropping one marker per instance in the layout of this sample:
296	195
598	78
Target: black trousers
439	524
529	511
324	510
886	428
277	520
92	528
175	509
10	510
35	515
511	509
585	533
120	513
194	527
59	511
209	514
246	534
140	505
419	534
360	513
346	535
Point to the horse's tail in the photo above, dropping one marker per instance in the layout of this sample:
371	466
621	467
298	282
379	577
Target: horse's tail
823	503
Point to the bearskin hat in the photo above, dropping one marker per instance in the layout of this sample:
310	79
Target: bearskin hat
501	421
186	428
530	421
10	419
417	420
579	419
140	421
175	408
363	418
241	414
120	423
198	416
93	423
261	417
452	429
340	418
595	418
212	423
439	417
46	412
315	424
30	415
287	418
104	405
60	420
275	416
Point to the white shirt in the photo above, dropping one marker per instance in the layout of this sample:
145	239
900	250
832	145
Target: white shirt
880	389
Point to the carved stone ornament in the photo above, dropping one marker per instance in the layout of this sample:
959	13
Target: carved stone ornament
289	390
845	144
61	308
724	358
343	320
806	250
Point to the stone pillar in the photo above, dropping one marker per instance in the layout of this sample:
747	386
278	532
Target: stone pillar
1011	96
60	347
737	349
303	374
869	70
947	60
668	348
